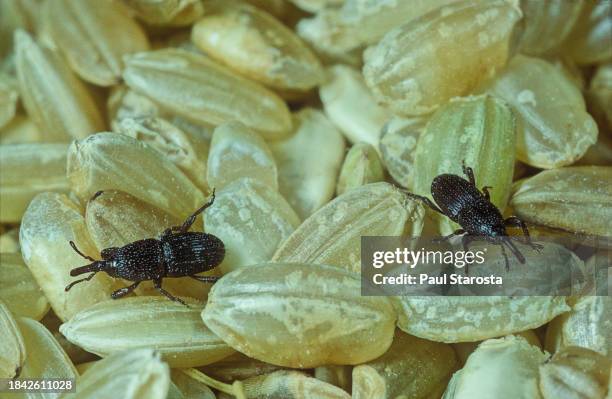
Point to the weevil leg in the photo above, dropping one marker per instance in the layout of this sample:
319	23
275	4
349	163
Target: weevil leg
469	172
191	219
485	191
465	241
515	251
426	200
457	232
69	286
516	222
121	292
206	279
73	245
503	250
158	284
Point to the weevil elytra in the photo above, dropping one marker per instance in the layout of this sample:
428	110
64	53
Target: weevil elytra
461	201
176	253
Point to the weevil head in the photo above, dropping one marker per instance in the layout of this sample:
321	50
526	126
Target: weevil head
109	253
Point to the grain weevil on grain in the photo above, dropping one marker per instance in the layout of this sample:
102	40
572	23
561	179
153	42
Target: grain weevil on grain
461	201
176	253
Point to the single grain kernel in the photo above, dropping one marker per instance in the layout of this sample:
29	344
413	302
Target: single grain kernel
464	319
94	36
45	357
309	161
106	161
337	30
236	151
589	41
44	75
26	170
588	325
332	235
465	349
238	367
49	223
202	91
267	312
134	374
290	385
505	368
575	372
349	104
397	146
411	368
361	166
18	289
174	330
479	131
553	126
12	347
578	199
547	24
252	220
420	65
171	142
115	219
167	12
256	45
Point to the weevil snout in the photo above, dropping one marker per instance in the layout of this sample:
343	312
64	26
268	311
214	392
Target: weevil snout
96	266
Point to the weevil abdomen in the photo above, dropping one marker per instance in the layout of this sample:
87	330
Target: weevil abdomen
191	252
453	194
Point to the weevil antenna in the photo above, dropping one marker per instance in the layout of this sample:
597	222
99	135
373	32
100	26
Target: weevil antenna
69	286
73	245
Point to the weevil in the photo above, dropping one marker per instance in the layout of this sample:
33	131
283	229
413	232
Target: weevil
460	200
177	252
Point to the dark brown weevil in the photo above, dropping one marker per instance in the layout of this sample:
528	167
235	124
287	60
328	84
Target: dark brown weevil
461	201
177	253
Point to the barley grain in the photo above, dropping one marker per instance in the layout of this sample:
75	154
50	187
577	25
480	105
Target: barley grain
26	170
252	220
256	45
44	75
18	288
236	152
94	36
419	66
309	161
332	235
12	347
202	91
267	312
175	330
